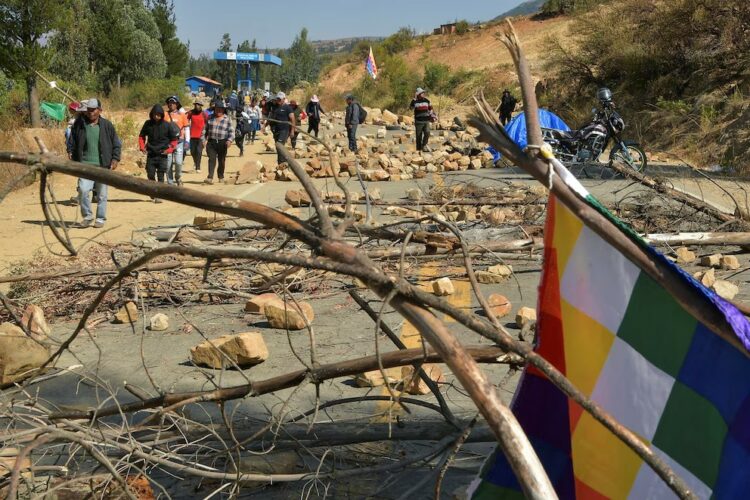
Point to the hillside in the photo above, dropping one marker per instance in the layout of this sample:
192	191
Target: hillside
478	51
523	9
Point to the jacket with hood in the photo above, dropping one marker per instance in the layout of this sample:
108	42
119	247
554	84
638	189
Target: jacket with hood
158	137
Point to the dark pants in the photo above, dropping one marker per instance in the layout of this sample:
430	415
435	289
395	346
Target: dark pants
217	150
156	166
505	117
240	140
351	134
280	135
294	138
423	134
313	125
196	151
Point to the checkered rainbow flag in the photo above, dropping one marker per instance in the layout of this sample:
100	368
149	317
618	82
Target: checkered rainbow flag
626	343
370	65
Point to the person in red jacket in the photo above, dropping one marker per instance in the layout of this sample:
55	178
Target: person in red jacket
197	118
158	139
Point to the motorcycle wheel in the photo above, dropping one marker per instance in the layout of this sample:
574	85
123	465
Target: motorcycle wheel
637	160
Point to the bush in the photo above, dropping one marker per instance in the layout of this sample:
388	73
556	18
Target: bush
462	26
146	93
436	77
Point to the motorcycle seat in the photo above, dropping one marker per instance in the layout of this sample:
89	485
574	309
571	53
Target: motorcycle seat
564	135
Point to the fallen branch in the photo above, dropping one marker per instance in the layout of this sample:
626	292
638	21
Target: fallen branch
481	354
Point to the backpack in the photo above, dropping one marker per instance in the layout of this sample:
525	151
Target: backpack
362	114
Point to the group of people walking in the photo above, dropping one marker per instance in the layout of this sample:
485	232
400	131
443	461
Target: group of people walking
166	134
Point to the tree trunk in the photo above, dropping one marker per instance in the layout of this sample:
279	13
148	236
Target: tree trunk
33	100
119	83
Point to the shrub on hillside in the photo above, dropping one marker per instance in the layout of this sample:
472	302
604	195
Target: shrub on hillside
437	77
146	93
462	26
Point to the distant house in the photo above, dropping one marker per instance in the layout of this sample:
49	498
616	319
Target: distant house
198	84
445	29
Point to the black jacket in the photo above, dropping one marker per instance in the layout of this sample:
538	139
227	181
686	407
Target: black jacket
314	110
109	144
158	135
507	104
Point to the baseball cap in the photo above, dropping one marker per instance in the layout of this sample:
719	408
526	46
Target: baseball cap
92	103
281	95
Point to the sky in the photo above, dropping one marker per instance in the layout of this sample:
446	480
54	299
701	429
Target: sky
275	23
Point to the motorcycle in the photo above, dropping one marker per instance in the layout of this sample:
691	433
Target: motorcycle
585	146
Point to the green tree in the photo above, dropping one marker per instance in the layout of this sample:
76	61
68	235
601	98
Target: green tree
71	55
174	50
23	52
226	68
124	42
300	62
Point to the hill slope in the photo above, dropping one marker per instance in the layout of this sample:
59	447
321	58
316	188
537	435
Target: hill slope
478	51
523	9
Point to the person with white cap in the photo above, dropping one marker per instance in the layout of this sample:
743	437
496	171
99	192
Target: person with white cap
94	141
254	113
423	116
283	123
313	110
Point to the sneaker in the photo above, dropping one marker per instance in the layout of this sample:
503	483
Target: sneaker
179	183
85	223
208	181
222	181
99	224
157	200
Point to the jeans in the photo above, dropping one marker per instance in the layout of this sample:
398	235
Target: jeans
157	166
280	135
196	151
85	186
217	150
313	125
175	160
351	133
423	134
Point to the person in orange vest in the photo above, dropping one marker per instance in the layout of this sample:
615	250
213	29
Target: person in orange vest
174	161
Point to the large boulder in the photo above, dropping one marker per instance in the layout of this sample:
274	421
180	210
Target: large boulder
256	304
298	198
33	320
243	349
249	173
20	355
390	118
127	313
288	315
413	384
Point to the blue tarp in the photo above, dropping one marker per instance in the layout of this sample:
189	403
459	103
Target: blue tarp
516	129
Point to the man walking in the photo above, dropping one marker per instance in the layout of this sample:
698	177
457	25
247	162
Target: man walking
351	120
158	139
197	119
283	123
94	141
507	106
174	160
422	117
313	110
217	137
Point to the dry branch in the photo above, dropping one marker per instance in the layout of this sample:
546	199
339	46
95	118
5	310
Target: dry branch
253	389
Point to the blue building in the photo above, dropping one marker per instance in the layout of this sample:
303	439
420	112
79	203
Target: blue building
203	84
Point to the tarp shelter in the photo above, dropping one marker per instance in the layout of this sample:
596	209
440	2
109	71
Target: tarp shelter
516	129
54	110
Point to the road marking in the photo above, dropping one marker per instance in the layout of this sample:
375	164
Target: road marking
411	337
